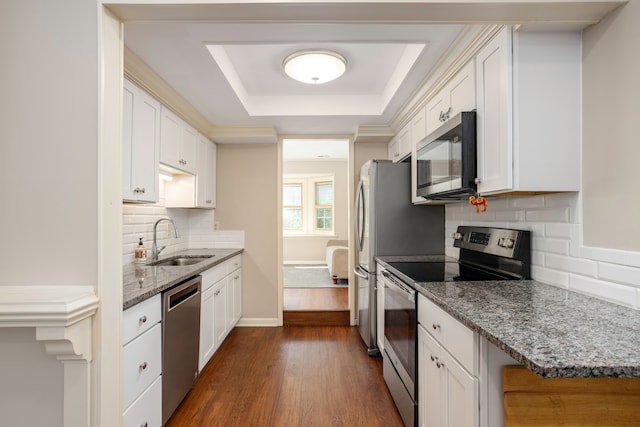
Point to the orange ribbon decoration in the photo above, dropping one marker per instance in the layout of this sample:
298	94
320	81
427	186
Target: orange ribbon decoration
477	202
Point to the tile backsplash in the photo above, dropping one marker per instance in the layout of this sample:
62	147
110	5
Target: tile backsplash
558	257
196	228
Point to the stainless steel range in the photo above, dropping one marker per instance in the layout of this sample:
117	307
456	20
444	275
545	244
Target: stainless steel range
485	254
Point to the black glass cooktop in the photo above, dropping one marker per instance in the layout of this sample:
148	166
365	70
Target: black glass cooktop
443	272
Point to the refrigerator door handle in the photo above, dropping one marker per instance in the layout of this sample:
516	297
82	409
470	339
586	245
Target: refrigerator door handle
360	207
358	272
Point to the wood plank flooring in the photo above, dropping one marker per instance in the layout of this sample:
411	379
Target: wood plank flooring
290	376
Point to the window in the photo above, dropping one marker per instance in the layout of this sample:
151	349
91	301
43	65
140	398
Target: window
307	205
324	206
292	207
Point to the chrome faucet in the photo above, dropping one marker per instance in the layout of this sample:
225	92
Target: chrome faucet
154	249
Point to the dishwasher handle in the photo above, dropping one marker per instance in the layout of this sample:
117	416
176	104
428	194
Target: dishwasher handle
182	293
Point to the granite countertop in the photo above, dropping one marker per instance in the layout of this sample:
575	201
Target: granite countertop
141	281
552	331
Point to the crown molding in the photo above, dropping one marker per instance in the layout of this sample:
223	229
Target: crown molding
243	134
373	133
462	50
136	70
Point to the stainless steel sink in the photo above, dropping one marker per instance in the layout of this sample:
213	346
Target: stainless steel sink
181	260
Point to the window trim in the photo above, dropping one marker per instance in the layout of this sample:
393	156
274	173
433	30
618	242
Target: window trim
309	184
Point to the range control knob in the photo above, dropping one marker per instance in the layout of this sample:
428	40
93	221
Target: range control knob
457	236
505	243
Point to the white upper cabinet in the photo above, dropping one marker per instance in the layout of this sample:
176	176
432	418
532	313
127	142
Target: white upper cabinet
459	94
528	93
205	173
140	145
178	142
400	146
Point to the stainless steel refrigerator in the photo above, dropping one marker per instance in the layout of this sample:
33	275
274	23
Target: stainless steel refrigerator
387	223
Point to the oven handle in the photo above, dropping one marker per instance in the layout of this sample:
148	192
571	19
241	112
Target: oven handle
403	288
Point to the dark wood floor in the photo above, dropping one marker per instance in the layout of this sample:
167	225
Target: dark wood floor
290	376
316	307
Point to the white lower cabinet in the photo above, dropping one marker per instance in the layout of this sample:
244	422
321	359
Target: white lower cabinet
380	308
221	306
448	385
145	410
142	364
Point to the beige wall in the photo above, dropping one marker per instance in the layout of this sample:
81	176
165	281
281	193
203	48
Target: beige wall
246	179
313	249
611	146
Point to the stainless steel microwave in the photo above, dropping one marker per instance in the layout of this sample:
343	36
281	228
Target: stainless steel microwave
446	160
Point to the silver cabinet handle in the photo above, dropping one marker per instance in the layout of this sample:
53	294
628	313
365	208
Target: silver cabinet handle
435	326
439	364
236	278
207	201
433	359
142	190
143	319
144	424
216	293
143	366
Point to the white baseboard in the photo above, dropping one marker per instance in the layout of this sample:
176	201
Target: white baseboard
258	322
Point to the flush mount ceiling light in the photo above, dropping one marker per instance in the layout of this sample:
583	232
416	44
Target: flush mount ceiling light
314	66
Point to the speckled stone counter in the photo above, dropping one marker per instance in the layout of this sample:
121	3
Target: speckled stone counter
552	331
141	281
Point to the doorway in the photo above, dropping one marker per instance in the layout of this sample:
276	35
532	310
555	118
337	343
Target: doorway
315	228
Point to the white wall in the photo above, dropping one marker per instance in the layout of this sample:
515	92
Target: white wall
49	174
313	249
611	66
558	258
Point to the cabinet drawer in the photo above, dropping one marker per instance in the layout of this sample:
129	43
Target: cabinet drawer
141	364
456	338
213	275
233	264
147	409
140	318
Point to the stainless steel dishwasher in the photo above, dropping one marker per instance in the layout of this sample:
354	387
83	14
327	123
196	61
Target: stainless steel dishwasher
180	343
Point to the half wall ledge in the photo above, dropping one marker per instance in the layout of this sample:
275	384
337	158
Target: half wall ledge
62	317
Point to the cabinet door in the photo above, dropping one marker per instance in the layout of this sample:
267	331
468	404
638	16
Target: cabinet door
431	382
462	406
435	108
188	142
393	150
140	145
404	141
419	127
207	338
205	173
235	280
462	90
380	314
220	311
170	138
494	149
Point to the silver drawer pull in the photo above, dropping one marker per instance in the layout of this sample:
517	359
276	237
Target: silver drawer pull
143	319
143	366
435	326
439	364
144	424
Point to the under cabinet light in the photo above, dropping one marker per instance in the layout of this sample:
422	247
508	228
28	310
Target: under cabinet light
165	176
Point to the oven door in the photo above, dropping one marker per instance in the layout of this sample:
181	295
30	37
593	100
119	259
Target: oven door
400	329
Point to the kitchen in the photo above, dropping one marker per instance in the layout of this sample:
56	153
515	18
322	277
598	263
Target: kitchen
77	198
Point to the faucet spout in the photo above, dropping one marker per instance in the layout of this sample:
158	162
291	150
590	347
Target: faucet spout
154	249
